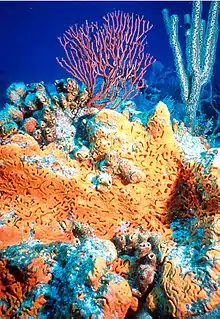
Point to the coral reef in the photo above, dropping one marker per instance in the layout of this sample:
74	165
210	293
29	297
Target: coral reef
110	216
45	115
65	187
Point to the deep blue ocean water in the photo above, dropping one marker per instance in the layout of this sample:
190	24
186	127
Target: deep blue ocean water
29	32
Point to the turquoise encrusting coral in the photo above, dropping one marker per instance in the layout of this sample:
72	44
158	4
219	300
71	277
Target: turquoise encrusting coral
109	210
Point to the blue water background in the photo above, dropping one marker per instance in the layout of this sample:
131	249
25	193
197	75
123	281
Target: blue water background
29	32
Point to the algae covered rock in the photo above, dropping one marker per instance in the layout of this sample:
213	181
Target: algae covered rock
61	280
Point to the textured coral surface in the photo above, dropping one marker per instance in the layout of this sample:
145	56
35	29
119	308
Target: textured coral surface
127	177
54	287
34	195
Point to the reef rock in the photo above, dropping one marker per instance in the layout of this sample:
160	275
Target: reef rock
60	280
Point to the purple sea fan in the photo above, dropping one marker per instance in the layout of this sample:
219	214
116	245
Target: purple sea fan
115	52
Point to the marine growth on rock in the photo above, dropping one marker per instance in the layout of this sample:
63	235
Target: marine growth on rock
101	215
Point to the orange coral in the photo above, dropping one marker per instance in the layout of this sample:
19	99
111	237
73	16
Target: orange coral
117	300
14	287
121	267
12	290
39	196
179	291
96	273
40	271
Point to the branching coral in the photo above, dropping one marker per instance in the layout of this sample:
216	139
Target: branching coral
201	40
115	52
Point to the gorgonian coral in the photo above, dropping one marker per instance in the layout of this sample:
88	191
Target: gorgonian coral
114	51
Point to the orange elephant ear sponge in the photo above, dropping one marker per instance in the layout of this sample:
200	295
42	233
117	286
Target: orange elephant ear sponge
44	187
127	179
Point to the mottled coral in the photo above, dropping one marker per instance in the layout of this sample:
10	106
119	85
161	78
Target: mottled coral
29	107
64	282
188	281
181	295
15	282
70	96
33	109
